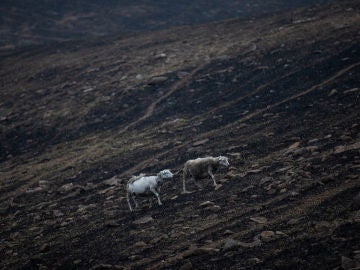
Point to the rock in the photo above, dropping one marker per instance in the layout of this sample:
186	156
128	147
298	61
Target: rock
349	264
67	188
112	224
254	260
228	232
44	247
343	148
207	204
186	266
267	236
247	188
265	180
57	213
143	220
194	251
160	56
260	220
157	80
114	181
356	201
294	221
139	77
230	244
182	74
139	244
159	238
294	145
77	261
108	266
332	92
201	142
214	208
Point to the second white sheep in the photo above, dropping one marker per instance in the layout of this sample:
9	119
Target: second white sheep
143	184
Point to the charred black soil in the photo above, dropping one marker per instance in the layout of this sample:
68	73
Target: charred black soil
278	95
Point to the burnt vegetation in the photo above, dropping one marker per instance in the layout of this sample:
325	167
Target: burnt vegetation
278	95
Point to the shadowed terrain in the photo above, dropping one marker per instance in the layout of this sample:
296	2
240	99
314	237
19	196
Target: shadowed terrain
24	23
278	95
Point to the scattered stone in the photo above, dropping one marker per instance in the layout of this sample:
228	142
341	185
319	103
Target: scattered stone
349	264
201	142
343	148
160	56
279	233
260	220
294	145
77	261
114	181
194	251
57	213
186	266
228	232
247	188
67	187
157	80
158	239
265	180
267	236
207	204
356	201
182	74
143	220
108	266
139	244
230	244
44	247
112	224
254	260
214	208
333	92
139	77
294	221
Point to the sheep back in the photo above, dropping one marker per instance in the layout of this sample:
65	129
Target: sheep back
199	167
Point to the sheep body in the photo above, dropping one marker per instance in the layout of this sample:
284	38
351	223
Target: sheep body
144	184
202	167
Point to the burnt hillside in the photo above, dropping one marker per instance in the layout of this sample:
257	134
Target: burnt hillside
25	23
278	95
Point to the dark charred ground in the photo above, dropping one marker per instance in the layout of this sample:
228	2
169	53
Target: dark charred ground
24	23
278	95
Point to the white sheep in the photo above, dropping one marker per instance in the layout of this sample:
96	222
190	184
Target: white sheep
202	167
143	184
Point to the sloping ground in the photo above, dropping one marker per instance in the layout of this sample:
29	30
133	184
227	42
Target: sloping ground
24	23
279	96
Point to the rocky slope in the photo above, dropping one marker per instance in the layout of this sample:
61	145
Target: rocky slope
278	95
24	23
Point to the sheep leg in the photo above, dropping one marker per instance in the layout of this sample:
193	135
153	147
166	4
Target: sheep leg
212	175
133	197
184	177
197	183
153	190
128	200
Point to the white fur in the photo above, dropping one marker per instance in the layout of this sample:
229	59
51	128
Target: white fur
143	184
203	167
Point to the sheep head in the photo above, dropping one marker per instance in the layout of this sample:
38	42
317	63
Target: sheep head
165	174
223	161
